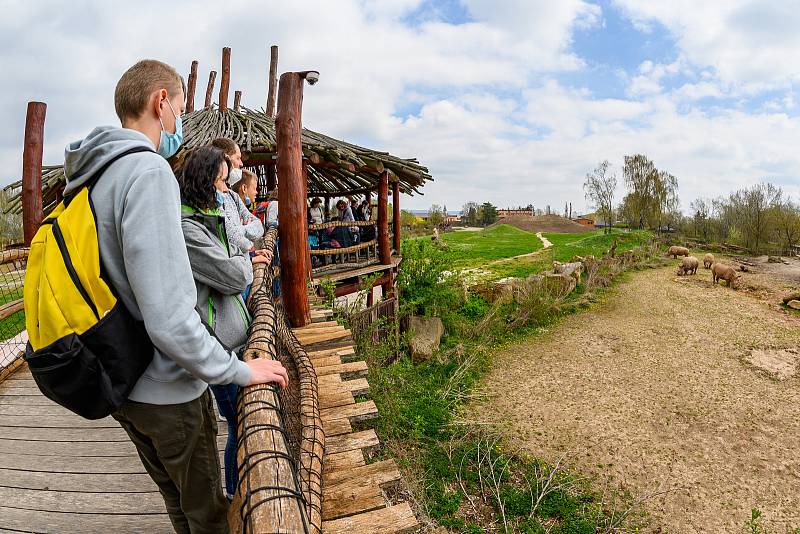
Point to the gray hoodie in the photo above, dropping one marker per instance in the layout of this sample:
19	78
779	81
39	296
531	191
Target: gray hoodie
137	205
220	276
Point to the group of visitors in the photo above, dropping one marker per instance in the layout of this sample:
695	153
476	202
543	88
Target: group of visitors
340	236
179	254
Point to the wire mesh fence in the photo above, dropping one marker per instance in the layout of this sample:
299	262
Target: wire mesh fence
12	315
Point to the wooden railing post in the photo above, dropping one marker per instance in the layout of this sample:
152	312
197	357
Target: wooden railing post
293	229
212	77
32	214
191	85
396	214
237	100
384	250
273	80
225	80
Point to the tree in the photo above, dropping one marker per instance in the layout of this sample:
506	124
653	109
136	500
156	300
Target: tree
470	213
752	208
787	224
599	189
652	194
10	223
700	215
488	213
407	219
436	215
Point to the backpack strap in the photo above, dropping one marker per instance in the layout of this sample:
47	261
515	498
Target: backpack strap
90	183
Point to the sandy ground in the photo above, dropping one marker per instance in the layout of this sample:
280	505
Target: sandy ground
672	385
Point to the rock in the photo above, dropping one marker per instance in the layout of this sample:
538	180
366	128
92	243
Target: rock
774	259
791	296
426	334
559	285
571	269
794	304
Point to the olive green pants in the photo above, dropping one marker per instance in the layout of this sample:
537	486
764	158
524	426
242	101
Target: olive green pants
177	444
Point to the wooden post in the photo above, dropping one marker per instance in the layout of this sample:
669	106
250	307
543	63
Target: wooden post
293	228
384	250
396	214
237	100
212	77
32	214
225	80
191	84
327	206
273	80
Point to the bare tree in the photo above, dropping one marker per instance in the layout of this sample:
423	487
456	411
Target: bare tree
787	224
700	215
752	208
599	188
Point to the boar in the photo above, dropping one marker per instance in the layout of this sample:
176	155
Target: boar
688	265
708	261
724	272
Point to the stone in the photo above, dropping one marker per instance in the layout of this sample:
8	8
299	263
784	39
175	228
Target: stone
559	285
795	295
426	334
794	304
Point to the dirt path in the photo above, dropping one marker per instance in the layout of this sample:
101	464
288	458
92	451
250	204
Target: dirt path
545	242
655	390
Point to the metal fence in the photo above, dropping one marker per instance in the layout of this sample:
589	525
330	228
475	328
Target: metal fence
13	336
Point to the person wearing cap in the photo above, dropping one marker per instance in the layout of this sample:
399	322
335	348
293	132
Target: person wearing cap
242	227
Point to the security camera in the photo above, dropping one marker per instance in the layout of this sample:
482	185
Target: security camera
312	77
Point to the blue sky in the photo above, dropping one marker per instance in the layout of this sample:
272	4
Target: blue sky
510	101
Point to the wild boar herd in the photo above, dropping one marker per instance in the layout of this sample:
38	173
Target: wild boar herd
689	265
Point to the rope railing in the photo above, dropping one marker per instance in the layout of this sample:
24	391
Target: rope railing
280	442
343	250
334	224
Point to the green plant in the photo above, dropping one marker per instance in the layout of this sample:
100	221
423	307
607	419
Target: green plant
752	525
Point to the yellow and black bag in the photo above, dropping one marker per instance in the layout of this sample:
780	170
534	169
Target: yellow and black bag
85	349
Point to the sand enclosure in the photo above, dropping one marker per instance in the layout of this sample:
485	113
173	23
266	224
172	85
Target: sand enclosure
673	385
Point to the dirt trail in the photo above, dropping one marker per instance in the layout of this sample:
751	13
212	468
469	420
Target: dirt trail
657	389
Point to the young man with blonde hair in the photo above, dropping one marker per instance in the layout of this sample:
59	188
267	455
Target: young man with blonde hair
168	415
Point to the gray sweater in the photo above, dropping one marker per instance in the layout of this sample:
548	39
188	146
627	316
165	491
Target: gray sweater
241	226
137	205
220	276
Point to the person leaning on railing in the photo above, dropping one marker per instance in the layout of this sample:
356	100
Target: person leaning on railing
221	273
168	415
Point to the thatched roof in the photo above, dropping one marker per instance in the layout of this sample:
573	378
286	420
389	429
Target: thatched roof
334	167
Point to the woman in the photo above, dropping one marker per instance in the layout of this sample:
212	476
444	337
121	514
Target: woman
221	273
315	214
241	226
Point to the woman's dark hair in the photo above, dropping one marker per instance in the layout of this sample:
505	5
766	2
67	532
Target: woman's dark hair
316	200
196	180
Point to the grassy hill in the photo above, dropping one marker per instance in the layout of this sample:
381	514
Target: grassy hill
545	223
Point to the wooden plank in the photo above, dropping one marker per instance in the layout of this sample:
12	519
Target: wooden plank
59	522
338	351
315	329
23	390
55	421
29	400
343	460
324	337
64	434
394	519
332	400
107	482
314	326
83	502
327	361
357	368
360	411
351	498
382	472
365	439
76	464
10	308
357	386
76	448
336	427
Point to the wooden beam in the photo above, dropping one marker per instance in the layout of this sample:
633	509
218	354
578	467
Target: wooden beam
384	250
237	100
273	80
293	228
212	77
32	213
396	214
191	85
225	81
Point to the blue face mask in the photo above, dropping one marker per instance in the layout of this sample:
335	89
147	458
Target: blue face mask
170	142
220	198
247	200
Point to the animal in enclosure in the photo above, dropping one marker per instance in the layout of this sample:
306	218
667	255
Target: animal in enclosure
688	265
708	261
676	251
720	271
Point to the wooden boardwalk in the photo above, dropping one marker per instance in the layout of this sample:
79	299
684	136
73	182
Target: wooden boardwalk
61	473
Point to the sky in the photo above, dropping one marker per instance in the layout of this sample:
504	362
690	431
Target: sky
506	101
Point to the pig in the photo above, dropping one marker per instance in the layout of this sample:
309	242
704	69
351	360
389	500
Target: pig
688	265
675	251
724	272
708	261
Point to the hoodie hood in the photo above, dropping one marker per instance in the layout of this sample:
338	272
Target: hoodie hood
82	159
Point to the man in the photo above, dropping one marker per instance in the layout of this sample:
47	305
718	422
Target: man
168	414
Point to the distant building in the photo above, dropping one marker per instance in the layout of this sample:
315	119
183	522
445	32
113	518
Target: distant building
584	221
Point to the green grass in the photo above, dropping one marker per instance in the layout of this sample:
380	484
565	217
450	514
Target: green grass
567	246
14	324
474	249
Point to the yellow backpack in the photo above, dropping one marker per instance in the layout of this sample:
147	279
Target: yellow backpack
85	349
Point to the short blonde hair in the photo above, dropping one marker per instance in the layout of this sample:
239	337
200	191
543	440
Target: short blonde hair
138	83
248	177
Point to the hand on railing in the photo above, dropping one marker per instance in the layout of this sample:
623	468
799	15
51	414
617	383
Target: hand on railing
264	371
262	256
